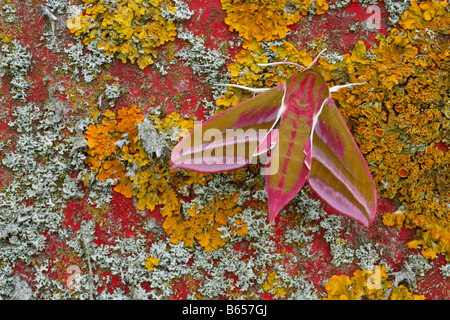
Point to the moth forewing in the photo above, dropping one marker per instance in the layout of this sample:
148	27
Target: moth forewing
213	151
228	140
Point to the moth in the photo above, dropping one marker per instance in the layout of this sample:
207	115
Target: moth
304	137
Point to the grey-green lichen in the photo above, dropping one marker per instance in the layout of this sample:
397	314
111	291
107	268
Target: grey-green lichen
412	269
86	61
181	13
57	6
396	9
368	256
152	141
33	202
212	269
307	214
15	62
205	62
341	250
339	4
112	91
445	270
221	273
39	137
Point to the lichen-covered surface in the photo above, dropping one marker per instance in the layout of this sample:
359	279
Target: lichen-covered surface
95	93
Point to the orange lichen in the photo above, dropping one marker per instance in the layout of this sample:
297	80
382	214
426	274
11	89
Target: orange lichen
274	285
102	138
321	6
151	262
366	284
403	173
394	219
428	14
266	19
130	29
203	224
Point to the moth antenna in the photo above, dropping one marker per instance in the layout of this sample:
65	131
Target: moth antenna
280	62
255	90
315	60
336	88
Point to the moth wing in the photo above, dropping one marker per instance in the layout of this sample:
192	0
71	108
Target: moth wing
268	142
229	140
338	172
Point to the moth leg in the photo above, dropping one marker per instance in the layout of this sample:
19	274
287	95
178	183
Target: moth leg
336	88
292	63
281	62
315	60
255	90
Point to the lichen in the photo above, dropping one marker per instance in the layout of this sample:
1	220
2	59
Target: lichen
151	262
266	20
16	61
399	119
32	204
87	61
366	284
131	30
231	271
396	9
445	270
8	12
204	61
57	6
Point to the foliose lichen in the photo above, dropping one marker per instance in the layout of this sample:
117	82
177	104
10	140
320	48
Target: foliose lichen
16	63
32	204
132	33
367	284
266	20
